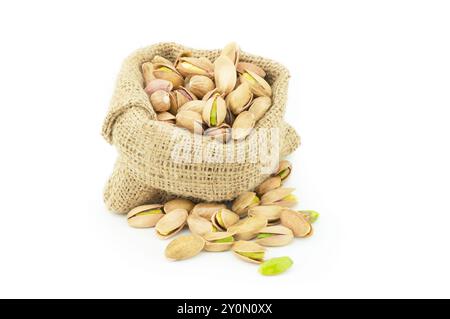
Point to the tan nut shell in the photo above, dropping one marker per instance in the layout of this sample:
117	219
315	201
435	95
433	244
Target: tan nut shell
200	85
232	51
247	247
248	228
224	74
221	110
281	236
184	247
178	203
195	106
171	223
195	66
157	59
160	101
239	99
243	202
199	225
147	72
179	97
296	222
144	221
276	197
210	245
158	84
268	185
243	125
166	117
241	67
190	120
206	210
169	74
221	133
270	212
284	165
260	106
229	218
257	84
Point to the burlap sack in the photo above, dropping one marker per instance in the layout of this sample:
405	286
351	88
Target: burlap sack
145	171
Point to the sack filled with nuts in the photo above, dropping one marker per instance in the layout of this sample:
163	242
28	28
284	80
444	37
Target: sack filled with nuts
204	125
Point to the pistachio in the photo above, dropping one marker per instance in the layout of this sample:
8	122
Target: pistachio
310	215
260	106
195	66
243	125
147	72
274	236
184	247
157	59
160	101
231	51
296	222
280	196
211	93
178	203
275	266
200	85
270	212
224	218
207	210
168	72
239	99
218	241
257	84
166	117
269	184
243	202
248	228
171	223
180	97
190	120
199	225
249	251
284	169
183	54
221	133
214	111
224	74
145	216
242	67
195	106
158	84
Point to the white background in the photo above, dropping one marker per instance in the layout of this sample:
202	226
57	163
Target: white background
369	95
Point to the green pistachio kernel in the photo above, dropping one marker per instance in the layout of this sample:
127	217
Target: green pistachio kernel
264	235
275	266
312	215
149	212
213	119
255	256
229	239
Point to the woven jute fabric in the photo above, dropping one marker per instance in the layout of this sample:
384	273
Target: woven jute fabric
146	172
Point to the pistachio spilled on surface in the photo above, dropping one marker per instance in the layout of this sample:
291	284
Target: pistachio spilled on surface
218	241
248	228
249	251
273	236
171	223
275	266
207	210
145	216
243	202
224	219
184	247
296	222
178	203
199	225
279	196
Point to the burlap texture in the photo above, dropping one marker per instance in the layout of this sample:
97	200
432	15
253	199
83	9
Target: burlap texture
145	171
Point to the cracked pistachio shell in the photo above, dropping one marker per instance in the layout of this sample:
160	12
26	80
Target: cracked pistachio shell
243	202
231	51
190	120
310	215
296	222
168	72
218	241
207	210
243	125
199	225
147	72
195	66
158	84
184	247
214	111
171	223
178	203
145	216
183	54
200	85
160	101
274	236
166	117
257	84
239	99
248	228
284	169
280	196
242	67
275	266
268	185
249	251
195	106
221	133
260	106
179	97
270	212
224	74
157	59
224	218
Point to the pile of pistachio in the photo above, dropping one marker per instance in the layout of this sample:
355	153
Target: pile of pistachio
223	99
253	221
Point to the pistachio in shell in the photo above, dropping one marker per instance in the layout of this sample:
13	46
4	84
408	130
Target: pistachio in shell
200	85
268	185
218	241
178	203
280	196
179	97
145	216
184	247
214	111
166	117
160	101
242	67
239	99
168	72
248	228
260	106
195	106
224	218
284	169
199	225
249	251
157	59
243	202
171	223
188	66
296	222
207	210
270	212
257	84
310	215
224	74
157	85
231	51
274	236
221	133
147	72
243	125
190	120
